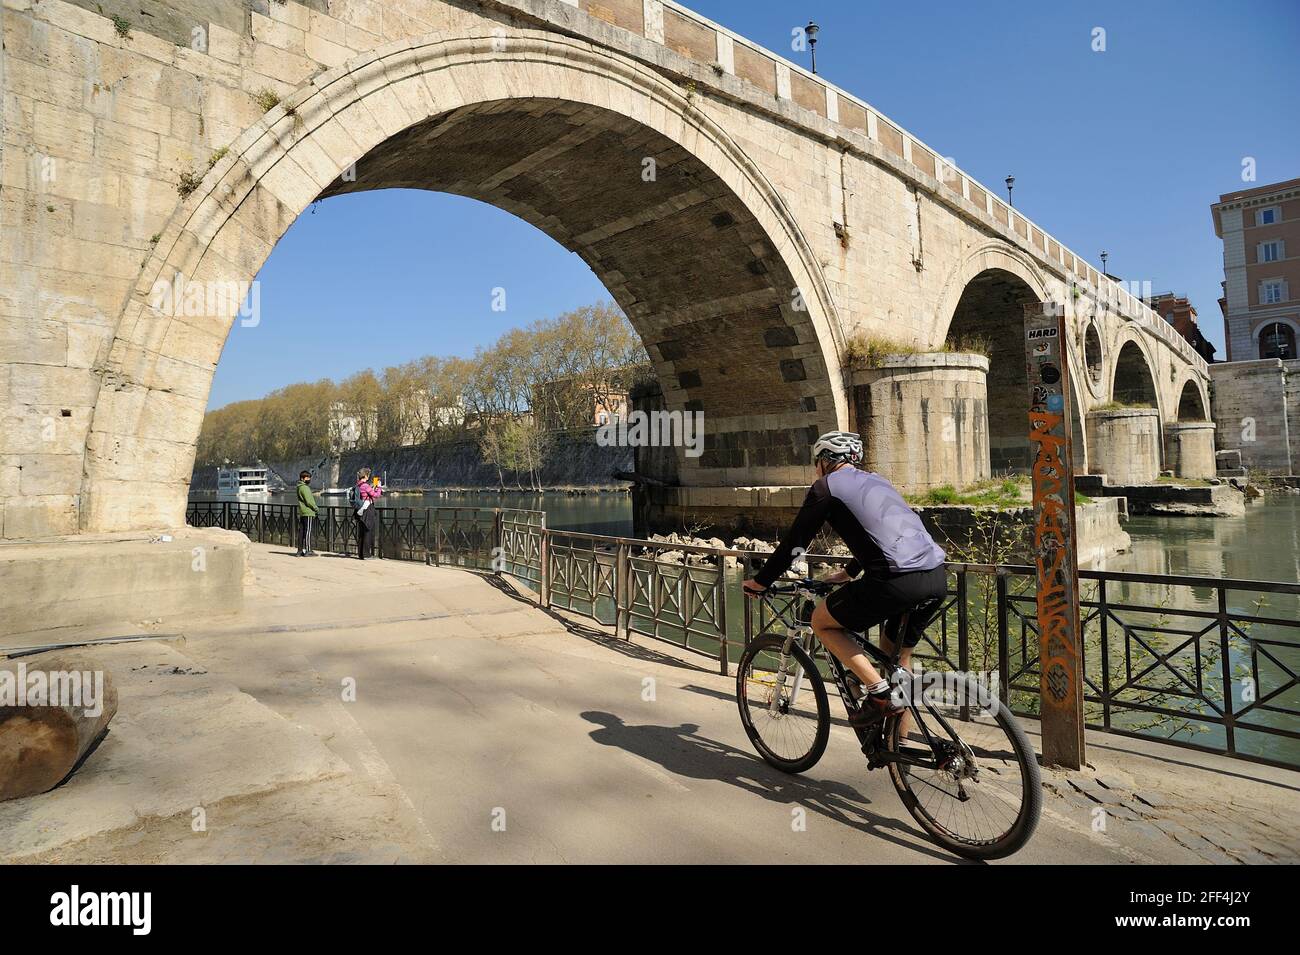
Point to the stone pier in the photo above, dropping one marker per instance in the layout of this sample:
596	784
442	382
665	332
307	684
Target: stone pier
924	419
1124	444
1189	449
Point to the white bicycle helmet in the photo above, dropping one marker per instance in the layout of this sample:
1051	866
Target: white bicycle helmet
839	446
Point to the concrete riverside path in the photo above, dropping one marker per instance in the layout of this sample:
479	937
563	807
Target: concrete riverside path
487	730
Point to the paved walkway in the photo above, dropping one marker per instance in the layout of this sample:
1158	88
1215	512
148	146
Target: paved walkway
486	730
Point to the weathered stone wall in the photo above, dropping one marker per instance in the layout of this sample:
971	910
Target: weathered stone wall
924	419
1254	404
808	214
1124	444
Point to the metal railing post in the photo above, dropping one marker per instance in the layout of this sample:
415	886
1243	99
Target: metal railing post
1102	614
1225	666
747	604
622	591
498	547
544	556
963	633
1004	641
721	592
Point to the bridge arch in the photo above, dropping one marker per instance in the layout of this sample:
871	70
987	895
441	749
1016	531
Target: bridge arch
1134	381
1192	403
983	300
703	255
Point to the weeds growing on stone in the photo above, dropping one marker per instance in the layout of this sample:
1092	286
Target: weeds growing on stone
266	99
872	351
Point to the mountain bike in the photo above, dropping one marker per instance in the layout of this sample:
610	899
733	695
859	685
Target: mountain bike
966	772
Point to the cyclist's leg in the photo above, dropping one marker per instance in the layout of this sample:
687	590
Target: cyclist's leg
927	589
834	637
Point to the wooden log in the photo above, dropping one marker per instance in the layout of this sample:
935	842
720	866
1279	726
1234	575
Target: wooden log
54	708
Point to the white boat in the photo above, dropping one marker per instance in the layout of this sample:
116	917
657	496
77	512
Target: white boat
241	480
342	491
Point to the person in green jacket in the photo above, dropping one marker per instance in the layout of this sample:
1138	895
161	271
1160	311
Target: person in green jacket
307	510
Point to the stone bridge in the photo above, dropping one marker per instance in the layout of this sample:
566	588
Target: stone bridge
755	223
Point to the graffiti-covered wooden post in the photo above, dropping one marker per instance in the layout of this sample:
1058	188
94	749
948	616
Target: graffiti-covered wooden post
1060	654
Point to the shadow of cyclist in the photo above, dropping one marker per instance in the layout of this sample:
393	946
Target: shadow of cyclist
681	750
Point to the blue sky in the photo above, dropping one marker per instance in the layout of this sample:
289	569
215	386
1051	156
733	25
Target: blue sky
1122	150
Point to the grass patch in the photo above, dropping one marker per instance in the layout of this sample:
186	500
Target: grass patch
1009	491
122	27
189	181
863	350
266	99
1013	490
191	178
1113	405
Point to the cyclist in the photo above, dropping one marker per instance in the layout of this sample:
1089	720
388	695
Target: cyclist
901	565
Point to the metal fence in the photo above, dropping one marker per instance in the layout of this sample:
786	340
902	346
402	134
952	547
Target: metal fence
1208	663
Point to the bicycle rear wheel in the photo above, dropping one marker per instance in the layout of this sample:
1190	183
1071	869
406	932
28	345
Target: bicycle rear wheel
980	794
783	704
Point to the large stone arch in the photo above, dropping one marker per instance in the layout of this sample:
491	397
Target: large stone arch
764	382
984	297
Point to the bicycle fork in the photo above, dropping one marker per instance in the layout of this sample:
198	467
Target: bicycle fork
782	674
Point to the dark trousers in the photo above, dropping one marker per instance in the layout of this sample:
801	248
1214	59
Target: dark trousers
365	540
304	534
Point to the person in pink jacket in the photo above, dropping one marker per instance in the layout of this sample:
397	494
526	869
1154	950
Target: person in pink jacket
364	496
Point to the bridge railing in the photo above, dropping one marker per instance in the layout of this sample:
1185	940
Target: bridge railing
696	37
1204	662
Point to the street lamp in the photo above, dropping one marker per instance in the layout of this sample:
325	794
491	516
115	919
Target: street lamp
1010	181
811	31
1104	256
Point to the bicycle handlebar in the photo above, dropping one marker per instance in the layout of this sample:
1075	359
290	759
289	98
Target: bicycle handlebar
809	584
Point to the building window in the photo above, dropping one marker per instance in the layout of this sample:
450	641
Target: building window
1270	293
1266	216
1277	341
1270	251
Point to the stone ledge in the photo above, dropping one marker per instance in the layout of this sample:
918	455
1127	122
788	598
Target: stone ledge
99	578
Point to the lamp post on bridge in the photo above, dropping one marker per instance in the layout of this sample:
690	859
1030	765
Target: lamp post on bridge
811	31
1011	182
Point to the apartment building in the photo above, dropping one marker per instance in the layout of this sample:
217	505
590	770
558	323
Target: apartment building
1260	229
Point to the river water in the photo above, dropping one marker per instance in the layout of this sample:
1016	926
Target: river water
1263	545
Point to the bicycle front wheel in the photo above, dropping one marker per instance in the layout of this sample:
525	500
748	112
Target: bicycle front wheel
783	704
967	772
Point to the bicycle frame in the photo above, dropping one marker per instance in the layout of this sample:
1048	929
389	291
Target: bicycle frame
871	744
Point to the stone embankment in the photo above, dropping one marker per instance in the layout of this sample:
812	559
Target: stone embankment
1214	497
969	533
575	462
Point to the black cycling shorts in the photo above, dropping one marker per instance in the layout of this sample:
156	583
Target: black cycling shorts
867	601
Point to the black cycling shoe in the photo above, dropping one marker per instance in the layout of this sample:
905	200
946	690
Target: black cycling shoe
873	708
